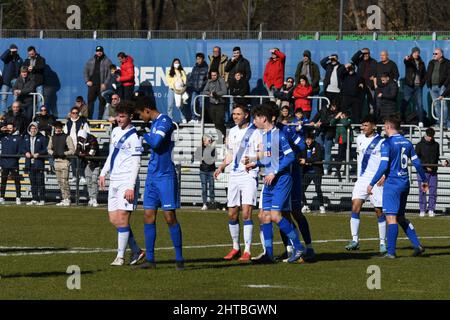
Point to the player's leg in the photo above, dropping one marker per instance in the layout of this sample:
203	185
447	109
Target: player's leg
391	206
175	234
120	220
407	226
266	226
355	221
376	198
233	227
303	227
249	192
137	254
285	239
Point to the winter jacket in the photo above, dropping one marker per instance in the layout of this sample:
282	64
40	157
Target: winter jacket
37	74
26	86
387	104
341	130
86	149
239	88
80	123
40	147
300	94
351	83
45	123
198	77
218	88
411	70
365	68
274	72
428	153
325	115
222	64
105	72
127	72
326	64
241	64
389	67
315	76
285	94
312	154
11	145
60	146
180	77
11	66
444	72
19	120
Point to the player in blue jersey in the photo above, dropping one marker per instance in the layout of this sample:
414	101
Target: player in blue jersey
161	186
396	150
274	159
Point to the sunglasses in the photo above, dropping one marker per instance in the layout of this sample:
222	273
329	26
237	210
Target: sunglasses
74	112
290	81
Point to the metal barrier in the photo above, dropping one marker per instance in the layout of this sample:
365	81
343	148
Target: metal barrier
441	122
34	94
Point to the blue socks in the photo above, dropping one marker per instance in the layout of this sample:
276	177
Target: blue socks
392	234
150	237
132	243
304	228
268	238
411	233
175	235
289	230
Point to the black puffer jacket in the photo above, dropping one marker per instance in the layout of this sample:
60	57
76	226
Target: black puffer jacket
325	115
428	153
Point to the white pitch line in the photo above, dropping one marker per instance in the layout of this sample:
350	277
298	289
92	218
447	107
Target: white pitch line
79	250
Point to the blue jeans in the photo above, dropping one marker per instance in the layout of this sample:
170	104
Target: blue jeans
171	104
107	95
435	92
327	144
196	105
39	89
416	93
207	179
4	98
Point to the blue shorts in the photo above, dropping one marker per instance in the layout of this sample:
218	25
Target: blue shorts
277	196
161	193
296	193
394	199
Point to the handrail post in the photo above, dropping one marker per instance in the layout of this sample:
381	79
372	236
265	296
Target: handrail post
347	157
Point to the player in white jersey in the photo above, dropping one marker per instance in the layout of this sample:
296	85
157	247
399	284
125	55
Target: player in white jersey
242	141
123	164
369	158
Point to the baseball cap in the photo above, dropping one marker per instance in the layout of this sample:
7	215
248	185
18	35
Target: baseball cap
98	48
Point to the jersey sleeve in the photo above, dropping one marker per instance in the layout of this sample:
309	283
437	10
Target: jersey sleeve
384	163
163	128
288	154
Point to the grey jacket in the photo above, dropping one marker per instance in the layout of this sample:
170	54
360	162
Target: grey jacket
105	73
219	87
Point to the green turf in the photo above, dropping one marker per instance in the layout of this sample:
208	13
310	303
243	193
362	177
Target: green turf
336	275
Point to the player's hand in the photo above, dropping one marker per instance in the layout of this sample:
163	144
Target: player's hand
380	183
129	195
102	182
250	166
246	160
369	189
269	178
425	187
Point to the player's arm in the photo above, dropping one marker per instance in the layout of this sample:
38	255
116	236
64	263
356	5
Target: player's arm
134	171
384	164
155	139
105	169
287	159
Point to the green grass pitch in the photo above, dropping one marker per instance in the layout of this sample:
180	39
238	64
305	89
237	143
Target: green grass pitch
38	244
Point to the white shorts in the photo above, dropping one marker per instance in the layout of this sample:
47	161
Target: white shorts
360	192
116	197
242	189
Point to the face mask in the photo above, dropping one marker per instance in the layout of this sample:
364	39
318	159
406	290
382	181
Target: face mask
176	65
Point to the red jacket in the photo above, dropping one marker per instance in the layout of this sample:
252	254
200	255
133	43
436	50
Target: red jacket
300	93
127	72
274	72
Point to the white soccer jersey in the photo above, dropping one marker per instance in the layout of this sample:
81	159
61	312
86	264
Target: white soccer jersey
127	161
369	155
234	143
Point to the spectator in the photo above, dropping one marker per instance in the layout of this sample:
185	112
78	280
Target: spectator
428	152
196	83
87	146
16	116
285	116
126	77
112	86
82	106
22	88
239	87
11	70
115	101
176	80
238	63
301	93
301	121
60	147
386	66
438	79
326	132
331	82
207	155
44	122
284	94
414	82
274	71
309	69
36	66
74	124
311	159
386	97
352	92
97	75
9	160
367	69
35	150
217	62
215	88
342	123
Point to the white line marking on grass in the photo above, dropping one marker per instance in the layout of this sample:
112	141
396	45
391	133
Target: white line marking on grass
260	286
35	251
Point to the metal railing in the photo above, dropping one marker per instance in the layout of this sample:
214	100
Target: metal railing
34	94
441	122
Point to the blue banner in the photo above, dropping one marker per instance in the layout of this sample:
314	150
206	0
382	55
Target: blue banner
66	59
